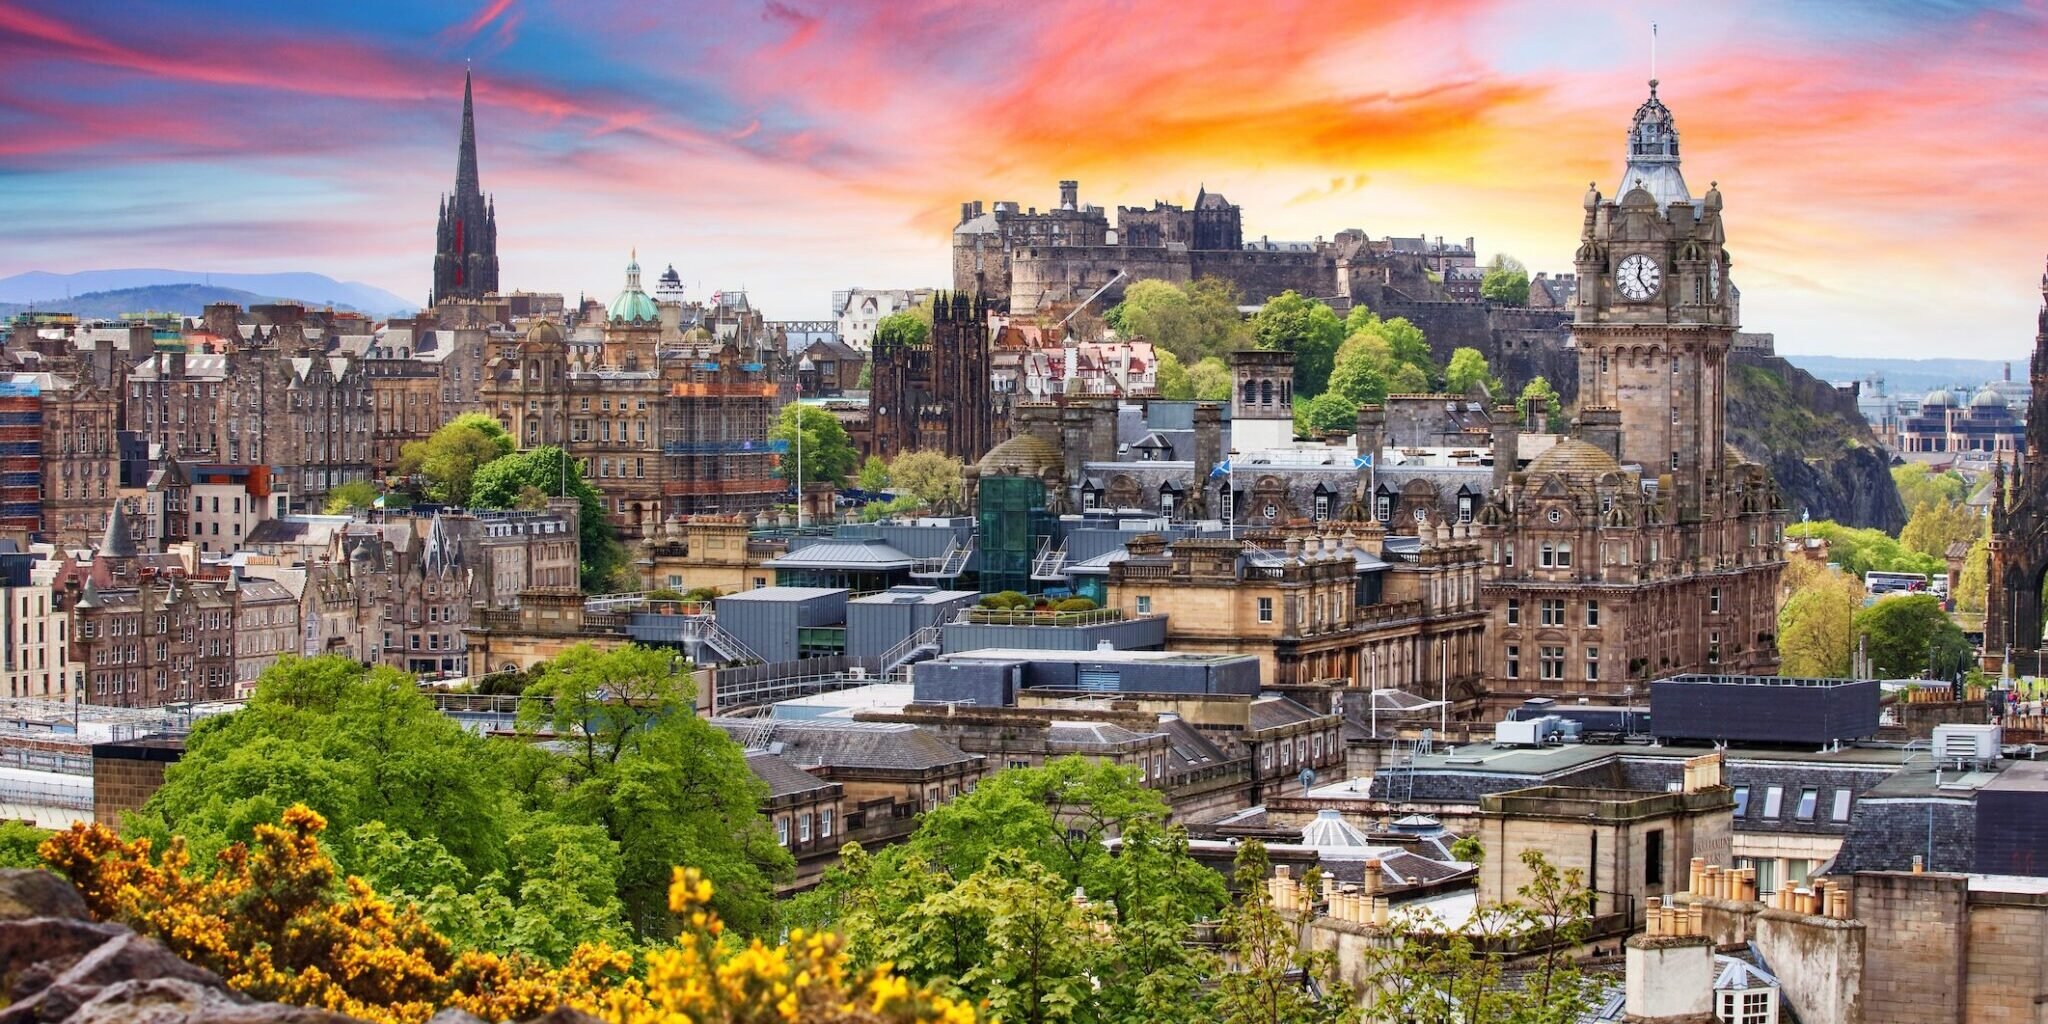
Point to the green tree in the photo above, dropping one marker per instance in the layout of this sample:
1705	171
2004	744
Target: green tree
522	479
1919	484
1042	943
933	478
1935	524
1862	551
449	458
1540	389
665	785
1816	625
980	900
1973	584
874	475
828	453
1506	281
1306	327
1210	379
867	375
18	842
1170	378
907	329
1193	320
1909	635
1262	944
1466	370
1367	370
1428	972
1327	412
357	744
347	497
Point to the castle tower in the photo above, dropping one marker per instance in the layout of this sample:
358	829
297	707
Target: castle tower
1654	320
466	246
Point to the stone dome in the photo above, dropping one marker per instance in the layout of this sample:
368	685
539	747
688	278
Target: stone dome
544	333
1989	398
1939	398
1025	454
1573	457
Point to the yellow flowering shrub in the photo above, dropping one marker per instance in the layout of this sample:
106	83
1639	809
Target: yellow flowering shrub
273	921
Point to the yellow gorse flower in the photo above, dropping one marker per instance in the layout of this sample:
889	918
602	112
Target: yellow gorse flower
274	922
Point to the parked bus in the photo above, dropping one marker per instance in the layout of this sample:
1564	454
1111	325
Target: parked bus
1875	583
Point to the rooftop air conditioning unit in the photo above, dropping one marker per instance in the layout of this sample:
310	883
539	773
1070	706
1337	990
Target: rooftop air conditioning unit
1976	744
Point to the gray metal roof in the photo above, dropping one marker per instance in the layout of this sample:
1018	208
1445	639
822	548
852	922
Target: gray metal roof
843	554
834	744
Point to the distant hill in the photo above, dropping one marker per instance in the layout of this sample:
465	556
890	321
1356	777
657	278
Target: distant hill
186	299
48	291
1909	376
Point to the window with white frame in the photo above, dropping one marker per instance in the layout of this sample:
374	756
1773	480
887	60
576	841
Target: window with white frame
1550	662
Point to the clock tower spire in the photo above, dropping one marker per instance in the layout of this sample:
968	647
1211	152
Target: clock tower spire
1654	320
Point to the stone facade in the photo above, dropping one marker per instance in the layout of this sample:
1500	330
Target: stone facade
2019	532
665	421
1024	260
1628	845
1646	546
936	396
1318	606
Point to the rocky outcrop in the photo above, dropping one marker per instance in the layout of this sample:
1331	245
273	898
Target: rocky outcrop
1818	447
58	965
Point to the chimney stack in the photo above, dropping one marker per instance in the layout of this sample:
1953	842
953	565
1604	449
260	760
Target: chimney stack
1506	446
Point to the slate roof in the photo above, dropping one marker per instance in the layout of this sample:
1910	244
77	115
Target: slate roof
1095	734
1886	834
1272	711
1191	749
783	778
856	745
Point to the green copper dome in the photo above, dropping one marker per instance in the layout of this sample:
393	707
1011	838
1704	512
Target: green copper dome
633	305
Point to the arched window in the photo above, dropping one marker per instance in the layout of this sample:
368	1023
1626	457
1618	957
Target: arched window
1266	392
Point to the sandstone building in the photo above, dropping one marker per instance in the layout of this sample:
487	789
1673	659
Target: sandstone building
1646	545
2019	532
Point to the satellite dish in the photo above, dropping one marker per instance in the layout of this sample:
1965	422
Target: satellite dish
1307	777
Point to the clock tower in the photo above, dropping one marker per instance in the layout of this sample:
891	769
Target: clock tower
1656	317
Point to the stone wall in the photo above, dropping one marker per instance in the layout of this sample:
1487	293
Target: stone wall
2007	970
1915	947
1819	964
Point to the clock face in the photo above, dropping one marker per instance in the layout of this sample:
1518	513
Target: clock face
1638	277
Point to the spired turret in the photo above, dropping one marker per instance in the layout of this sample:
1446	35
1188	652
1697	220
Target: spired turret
466	235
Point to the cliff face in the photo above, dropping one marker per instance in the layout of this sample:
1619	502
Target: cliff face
1818	448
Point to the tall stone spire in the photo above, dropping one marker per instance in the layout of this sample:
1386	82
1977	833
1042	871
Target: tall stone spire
465	167
466	242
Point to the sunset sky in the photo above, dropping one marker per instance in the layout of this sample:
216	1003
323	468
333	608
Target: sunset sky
1882	163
